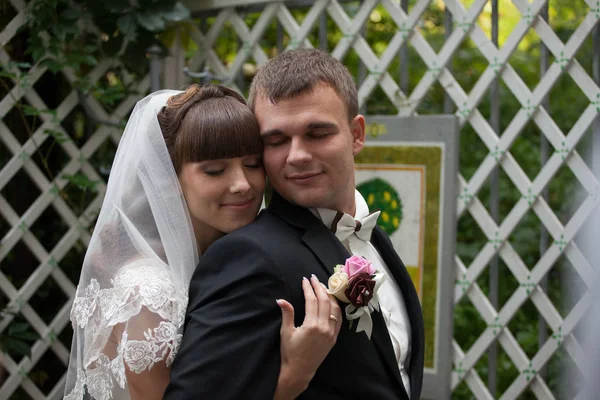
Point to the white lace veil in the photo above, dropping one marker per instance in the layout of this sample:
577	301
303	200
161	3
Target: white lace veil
132	295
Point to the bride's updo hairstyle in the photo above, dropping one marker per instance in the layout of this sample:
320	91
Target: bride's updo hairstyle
208	122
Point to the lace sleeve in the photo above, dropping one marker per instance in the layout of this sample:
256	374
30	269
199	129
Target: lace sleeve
148	344
132	332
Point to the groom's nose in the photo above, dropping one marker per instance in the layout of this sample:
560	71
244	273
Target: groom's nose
298	153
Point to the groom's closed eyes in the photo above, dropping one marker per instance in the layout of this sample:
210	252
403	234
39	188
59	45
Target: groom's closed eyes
313	130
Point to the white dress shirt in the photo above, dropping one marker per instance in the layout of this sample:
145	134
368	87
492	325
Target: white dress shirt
391	300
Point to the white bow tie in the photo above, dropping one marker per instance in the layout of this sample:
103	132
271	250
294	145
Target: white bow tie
343	226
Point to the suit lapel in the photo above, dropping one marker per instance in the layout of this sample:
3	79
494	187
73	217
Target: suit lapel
413	306
319	239
330	252
326	247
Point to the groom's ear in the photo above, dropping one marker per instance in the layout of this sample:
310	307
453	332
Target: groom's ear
357	127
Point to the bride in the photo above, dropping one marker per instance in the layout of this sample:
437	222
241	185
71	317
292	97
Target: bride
187	171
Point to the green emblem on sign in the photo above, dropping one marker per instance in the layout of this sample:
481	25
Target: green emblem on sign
381	195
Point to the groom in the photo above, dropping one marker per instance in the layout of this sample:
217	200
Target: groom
307	108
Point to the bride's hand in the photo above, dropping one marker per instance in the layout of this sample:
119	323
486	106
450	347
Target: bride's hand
304	348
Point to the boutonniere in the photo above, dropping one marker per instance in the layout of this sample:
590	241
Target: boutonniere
356	283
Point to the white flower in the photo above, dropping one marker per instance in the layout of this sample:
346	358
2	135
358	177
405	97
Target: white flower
166	336
140	355
93	288
337	284
98	382
165	332
154	294
109	303
83	307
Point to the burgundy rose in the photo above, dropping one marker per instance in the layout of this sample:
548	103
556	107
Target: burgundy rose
360	289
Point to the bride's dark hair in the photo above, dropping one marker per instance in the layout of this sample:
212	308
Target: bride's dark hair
207	123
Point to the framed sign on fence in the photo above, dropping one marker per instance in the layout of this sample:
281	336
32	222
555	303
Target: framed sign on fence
408	170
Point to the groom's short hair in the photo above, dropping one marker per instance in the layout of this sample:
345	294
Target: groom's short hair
297	71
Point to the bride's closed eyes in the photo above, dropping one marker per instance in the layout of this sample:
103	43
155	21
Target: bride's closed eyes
218	167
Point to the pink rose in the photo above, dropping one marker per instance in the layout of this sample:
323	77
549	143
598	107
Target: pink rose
358	265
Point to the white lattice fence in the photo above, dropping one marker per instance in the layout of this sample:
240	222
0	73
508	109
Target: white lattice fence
17	372
378	78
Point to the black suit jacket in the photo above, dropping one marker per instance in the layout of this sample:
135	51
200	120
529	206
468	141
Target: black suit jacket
230	347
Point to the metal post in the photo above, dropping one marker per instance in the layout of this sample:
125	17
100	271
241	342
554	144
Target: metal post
494	208
154	56
203	25
592	231
362	71
239	78
544	155
595	231
596	124
403	61
323	32
279	37
448	103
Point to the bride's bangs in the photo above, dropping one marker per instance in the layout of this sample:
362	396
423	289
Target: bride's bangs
219	128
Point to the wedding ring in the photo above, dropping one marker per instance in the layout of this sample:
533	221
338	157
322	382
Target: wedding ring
333	318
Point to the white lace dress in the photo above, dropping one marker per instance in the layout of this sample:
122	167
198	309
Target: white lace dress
136	322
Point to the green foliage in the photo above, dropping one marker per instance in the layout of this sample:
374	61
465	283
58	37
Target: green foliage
58	136
78	34
81	181
18	337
